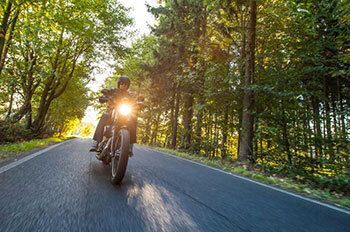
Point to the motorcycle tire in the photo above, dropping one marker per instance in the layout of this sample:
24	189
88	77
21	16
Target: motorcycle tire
119	165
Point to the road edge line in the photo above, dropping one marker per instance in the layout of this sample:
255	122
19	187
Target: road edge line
258	183
29	157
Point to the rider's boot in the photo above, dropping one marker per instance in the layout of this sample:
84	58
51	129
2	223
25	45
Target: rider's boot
94	146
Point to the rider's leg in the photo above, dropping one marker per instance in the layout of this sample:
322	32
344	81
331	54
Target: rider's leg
98	135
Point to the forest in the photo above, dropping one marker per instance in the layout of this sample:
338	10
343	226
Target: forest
263	83
260	82
48	51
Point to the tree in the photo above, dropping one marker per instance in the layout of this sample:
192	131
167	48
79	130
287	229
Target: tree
247	132
52	43
271	88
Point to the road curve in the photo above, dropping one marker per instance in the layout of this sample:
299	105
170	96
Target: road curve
67	189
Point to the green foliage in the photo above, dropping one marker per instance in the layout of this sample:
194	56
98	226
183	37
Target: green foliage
87	130
9	150
47	55
10	133
192	75
68	109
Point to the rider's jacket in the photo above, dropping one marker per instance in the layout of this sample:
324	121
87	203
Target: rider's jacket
114	95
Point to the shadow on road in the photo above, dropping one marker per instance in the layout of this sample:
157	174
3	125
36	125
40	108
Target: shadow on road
153	204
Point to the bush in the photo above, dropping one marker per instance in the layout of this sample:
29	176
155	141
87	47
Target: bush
10	133
338	183
335	183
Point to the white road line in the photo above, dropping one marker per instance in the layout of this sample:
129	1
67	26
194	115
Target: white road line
26	158
258	183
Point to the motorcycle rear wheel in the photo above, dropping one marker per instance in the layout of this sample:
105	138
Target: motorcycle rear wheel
119	163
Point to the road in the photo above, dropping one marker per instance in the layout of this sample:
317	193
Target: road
67	189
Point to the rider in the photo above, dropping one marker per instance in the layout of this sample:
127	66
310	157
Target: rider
120	92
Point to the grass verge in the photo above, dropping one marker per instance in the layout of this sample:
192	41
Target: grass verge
11	150
284	183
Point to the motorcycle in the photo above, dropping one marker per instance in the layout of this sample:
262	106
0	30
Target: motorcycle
114	148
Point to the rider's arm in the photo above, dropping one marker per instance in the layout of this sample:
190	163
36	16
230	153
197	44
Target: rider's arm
107	94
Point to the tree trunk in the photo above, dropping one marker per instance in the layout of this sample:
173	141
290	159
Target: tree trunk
328	123
3	27
342	113
7	44
241	71
171	118
285	138
317	126
155	130
335	113
187	122
45	99
216	136
54	88
305	143
29	116
9	111
256	139
201	27
145	138
28	86
224	135
199	129
261	144
175	121
246	136
208	132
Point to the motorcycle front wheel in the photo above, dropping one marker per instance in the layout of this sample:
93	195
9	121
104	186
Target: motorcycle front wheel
121	157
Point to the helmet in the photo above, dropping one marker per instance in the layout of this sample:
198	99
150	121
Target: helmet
124	79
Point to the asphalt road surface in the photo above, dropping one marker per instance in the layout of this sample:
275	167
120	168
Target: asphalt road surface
67	189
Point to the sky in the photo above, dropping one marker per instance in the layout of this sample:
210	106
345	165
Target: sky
142	20
139	14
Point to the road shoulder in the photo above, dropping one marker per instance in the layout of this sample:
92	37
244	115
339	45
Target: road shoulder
9	157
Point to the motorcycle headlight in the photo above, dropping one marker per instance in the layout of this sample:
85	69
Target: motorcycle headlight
125	109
